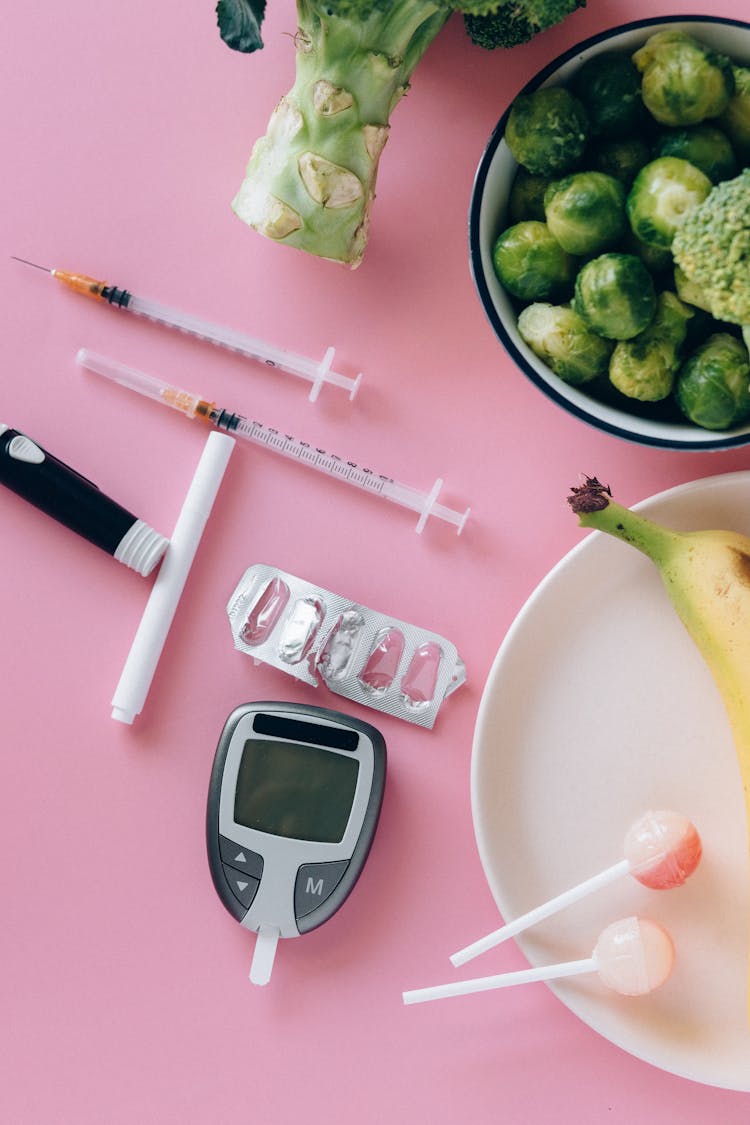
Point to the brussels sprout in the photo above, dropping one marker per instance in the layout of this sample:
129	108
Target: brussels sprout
644	367
663	193
609	86
530	264
655	258
615	296
735	120
684	82
712	386
526	199
559	337
622	159
586	212
705	146
547	131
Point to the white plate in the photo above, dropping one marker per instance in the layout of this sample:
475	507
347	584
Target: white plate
598	707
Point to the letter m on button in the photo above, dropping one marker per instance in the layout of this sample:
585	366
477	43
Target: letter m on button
314	886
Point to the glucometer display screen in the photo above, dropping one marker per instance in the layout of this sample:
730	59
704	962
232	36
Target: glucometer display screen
301	792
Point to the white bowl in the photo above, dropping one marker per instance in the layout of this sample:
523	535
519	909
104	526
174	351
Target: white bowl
487	218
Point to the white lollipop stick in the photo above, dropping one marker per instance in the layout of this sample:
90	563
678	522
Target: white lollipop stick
500	980
633	956
539	913
662	849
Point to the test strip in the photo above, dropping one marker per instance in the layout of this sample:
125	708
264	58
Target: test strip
151	634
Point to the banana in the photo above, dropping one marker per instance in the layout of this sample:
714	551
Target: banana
707	577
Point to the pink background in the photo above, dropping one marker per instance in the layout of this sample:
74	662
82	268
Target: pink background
124	992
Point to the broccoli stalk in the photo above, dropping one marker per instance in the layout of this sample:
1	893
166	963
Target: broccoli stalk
310	181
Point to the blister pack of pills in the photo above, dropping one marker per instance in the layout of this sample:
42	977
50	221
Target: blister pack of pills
320	637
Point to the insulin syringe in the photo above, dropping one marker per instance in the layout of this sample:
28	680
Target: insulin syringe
316	373
311	456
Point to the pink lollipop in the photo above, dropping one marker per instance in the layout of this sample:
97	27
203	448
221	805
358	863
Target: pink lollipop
633	957
662	849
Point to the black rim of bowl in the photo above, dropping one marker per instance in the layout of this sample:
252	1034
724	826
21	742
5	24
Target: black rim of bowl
475	249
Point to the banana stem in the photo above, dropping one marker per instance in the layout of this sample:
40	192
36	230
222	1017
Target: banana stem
593	504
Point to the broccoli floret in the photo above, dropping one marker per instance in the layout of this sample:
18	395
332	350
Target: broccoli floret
517	21
712	248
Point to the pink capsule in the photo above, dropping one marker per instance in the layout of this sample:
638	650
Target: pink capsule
418	685
382	664
634	956
663	849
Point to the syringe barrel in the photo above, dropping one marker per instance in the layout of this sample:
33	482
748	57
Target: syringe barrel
242	344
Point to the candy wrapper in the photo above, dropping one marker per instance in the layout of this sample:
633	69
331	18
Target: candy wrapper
320	637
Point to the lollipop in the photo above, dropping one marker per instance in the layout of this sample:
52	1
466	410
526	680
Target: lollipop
662	849
633	957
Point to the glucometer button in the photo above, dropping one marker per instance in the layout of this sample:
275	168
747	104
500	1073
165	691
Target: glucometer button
315	883
243	886
241	858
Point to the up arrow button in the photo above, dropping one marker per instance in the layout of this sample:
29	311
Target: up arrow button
241	858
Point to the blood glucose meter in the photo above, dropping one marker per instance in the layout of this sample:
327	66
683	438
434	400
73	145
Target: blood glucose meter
293	804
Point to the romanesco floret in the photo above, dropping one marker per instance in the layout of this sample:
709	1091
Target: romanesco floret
517	21
712	248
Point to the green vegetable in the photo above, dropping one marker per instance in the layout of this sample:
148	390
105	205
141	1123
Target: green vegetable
526	199
712	387
517	21
558	336
684	81
687	227
712	248
735	120
530	264
622	159
609	86
586	212
663	194
615	296
310	182
547	131
689	292
705	146
644	368
655	258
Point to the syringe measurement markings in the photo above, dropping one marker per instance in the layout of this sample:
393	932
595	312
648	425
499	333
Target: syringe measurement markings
316	458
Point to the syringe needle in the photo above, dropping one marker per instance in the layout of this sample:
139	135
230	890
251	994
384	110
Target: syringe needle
36	265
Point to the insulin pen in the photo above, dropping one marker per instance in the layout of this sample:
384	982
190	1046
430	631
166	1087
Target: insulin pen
314	372
71	499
